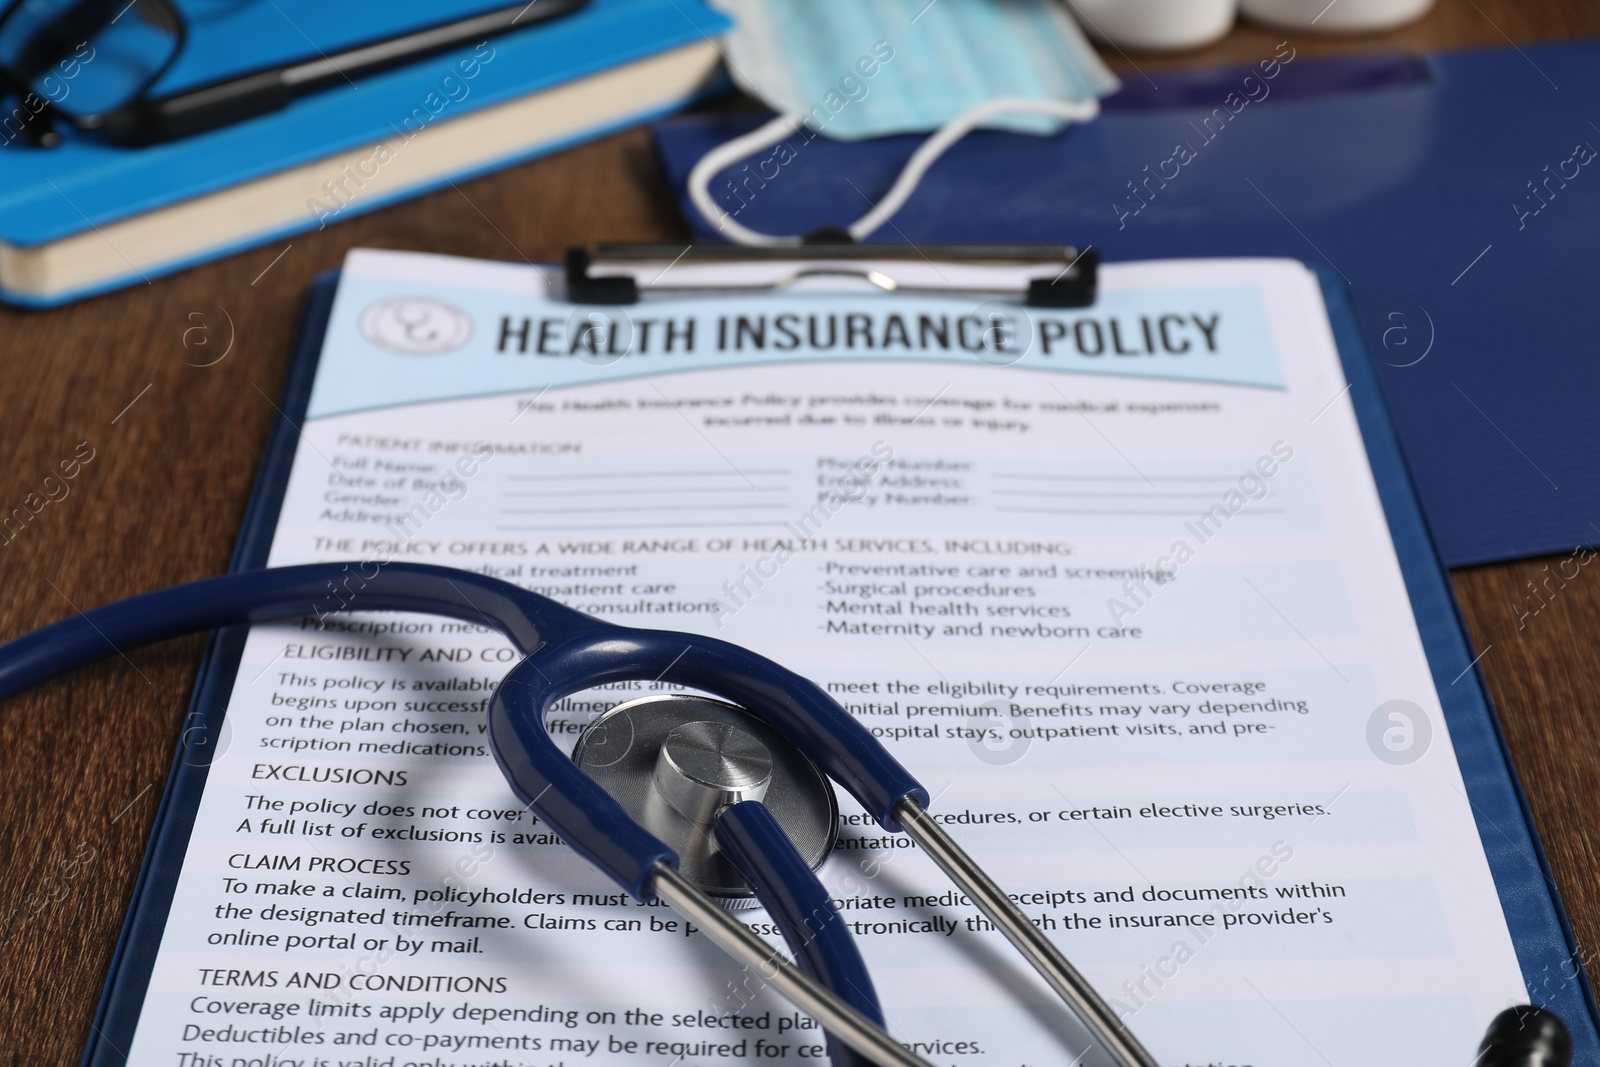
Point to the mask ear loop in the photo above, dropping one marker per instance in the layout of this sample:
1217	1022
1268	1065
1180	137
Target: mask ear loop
724	155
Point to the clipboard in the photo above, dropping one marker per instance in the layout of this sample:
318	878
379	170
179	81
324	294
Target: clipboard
1545	947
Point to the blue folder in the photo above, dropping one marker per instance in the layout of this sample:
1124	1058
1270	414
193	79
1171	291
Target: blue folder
1458	193
1545	946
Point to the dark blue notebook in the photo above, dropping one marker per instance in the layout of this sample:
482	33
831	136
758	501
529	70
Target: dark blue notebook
1458	194
1544	943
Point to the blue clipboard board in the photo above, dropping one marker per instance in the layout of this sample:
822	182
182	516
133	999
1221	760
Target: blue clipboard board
1544	942
1458	192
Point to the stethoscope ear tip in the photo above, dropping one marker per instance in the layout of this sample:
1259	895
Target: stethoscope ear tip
1526	1036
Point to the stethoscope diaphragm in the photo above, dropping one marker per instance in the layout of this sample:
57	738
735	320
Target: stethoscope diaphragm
673	761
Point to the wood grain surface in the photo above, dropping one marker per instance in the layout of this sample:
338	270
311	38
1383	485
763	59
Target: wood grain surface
176	434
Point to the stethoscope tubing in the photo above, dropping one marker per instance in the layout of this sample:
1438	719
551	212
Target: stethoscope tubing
564	651
815	931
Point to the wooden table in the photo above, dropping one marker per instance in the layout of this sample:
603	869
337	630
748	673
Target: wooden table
176	443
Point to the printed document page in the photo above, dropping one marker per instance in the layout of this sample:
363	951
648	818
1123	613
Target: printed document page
1114	582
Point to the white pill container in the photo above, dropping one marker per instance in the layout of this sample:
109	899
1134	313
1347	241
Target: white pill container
1156	25
1339	16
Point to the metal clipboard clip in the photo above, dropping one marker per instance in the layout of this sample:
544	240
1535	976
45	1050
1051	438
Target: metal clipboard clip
622	273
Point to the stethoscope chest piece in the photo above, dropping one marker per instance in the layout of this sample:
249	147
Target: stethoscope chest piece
674	761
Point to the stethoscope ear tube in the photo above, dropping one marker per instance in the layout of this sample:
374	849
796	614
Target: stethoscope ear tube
767	963
818	936
581	813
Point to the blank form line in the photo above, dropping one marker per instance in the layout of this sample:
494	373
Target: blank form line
565	493
1109	511
642	507
638	474
1115	477
645	526
1108	496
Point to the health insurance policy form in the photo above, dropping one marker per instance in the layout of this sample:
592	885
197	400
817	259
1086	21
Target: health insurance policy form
1115	583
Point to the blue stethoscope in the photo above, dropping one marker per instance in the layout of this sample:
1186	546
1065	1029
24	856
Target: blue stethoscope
703	771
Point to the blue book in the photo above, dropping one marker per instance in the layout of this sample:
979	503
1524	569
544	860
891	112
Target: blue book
87	217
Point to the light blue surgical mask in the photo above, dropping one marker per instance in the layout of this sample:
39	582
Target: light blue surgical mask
850	69
867	68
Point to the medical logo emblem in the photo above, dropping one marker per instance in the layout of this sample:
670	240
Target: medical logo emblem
416	325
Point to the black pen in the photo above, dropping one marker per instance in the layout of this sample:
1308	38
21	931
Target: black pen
245	96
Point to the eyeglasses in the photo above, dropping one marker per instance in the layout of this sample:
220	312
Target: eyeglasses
90	65
75	61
